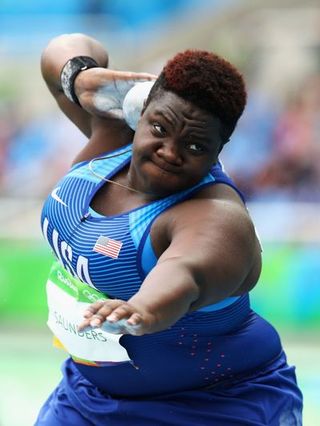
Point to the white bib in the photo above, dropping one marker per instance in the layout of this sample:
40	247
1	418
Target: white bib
68	298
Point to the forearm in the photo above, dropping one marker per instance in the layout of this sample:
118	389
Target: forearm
166	294
65	47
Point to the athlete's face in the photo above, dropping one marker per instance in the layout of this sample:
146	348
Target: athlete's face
174	146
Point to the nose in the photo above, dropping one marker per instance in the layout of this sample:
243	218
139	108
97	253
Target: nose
169	151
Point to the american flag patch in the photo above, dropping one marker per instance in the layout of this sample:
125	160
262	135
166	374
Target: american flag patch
108	247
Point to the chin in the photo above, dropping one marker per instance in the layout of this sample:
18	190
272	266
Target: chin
161	182
159	188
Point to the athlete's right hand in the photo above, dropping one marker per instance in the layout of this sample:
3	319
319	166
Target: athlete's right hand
101	91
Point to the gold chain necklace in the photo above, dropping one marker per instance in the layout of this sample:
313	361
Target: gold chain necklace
90	167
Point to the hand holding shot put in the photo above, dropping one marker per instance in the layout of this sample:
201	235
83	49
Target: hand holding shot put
102	91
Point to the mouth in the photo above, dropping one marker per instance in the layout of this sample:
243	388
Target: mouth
165	166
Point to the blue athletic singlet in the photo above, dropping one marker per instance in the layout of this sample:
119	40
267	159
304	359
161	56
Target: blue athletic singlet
219	345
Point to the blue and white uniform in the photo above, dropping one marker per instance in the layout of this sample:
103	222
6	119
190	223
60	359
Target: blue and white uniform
220	365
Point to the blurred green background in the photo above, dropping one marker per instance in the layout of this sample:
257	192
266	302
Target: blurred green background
288	293
274	157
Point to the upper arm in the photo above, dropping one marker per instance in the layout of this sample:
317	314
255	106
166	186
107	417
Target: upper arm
216	241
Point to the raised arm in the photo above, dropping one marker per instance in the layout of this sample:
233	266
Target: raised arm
213	254
99	92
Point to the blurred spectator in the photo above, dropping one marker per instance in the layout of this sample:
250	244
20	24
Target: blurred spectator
8	129
30	168
275	154
293	169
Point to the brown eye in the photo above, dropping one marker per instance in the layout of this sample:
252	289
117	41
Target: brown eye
159	129
195	147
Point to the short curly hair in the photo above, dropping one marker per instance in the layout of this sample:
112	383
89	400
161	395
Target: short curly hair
209	82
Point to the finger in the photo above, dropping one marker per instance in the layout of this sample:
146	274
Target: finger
122	311
108	307
92	309
84	324
88	313
135	319
96	320
147	76
135	76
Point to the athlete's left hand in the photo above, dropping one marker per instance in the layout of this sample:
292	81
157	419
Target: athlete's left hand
117	317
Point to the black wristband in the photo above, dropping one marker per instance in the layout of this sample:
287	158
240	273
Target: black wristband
70	71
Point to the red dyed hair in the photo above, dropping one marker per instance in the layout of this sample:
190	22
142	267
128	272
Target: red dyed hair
209	82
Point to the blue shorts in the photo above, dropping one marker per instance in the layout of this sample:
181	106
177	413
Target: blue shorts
270	397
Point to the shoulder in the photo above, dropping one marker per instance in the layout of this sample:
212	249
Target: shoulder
214	217
213	214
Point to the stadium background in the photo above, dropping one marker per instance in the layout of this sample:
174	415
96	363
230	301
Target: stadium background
274	156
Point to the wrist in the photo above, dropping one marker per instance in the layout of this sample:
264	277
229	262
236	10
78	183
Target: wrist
72	68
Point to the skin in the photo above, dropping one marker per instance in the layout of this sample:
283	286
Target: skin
206	246
175	145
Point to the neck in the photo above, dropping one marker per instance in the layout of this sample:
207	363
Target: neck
140	185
